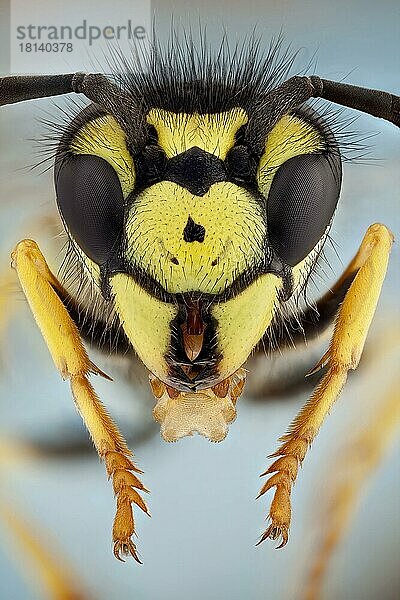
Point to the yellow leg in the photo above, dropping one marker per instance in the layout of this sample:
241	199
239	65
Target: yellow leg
47	226
69	355
344	352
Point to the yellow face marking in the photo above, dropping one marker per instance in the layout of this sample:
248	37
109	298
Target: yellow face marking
290	137
214	133
234	230
243	320
105	138
146	321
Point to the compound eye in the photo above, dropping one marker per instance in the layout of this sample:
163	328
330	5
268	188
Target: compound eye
91	202
301	203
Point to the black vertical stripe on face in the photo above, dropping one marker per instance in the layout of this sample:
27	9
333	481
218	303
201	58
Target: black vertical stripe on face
193	232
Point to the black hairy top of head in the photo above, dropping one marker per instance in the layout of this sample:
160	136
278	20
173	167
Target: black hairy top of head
187	75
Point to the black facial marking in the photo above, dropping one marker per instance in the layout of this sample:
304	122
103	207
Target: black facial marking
150	165
238	160
196	170
193	232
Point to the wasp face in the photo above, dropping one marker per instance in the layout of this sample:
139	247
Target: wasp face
198	232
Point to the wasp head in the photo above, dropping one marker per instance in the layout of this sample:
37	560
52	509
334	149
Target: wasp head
197	202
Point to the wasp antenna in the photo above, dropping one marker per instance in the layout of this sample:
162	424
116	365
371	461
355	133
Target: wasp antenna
18	88
373	102
95	86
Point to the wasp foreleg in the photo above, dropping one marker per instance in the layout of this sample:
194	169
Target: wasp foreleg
344	353
69	355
